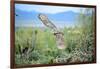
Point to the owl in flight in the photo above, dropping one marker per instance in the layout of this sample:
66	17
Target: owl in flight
58	35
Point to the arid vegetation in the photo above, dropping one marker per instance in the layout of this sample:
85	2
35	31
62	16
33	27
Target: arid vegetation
38	46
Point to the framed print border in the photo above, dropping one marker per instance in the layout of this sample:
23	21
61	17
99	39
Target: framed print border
12	33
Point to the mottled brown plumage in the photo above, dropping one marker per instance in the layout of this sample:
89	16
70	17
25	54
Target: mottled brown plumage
59	35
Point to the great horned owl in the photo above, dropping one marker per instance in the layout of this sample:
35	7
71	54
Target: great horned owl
58	35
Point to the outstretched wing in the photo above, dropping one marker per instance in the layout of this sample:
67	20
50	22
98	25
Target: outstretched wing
47	22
